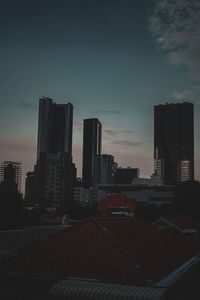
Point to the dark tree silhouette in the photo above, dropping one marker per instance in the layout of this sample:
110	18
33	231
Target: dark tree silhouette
11	208
187	199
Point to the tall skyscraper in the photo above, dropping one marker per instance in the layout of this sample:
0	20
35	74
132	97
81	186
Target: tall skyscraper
54	172
10	174
91	147
174	142
55	126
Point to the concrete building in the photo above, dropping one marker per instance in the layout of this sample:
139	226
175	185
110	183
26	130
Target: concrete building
55	176
125	175
29	186
54	172
88	196
154	180
92	134
10	174
91	147
55	124
174	142
103	169
157	195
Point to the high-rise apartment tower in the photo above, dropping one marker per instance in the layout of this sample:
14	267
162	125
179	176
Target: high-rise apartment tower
10	174
174	142
54	127
54	172
91	147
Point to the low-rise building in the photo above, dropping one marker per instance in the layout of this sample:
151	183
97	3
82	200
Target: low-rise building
125	175
117	205
154	180
88	196
157	195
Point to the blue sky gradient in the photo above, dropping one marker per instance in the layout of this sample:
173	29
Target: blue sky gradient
104	58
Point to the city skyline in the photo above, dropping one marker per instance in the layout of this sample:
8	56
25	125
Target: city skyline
79	166
112	60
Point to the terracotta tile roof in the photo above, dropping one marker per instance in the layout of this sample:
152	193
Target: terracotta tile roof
181	221
118	250
158	253
116	201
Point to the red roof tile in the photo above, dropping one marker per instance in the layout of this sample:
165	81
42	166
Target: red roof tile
120	250
181	221
116	201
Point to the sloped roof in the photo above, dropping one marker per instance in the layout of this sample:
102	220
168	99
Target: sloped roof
115	250
181	221
116	201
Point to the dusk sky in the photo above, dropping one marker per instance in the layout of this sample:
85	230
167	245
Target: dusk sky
112	59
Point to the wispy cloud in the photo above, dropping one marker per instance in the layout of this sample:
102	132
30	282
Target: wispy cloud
127	143
108	112
183	94
78	123
27	105
105	137
109	122
175	26
112	133
127	131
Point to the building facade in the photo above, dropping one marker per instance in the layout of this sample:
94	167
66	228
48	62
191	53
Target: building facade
126	175
10	174
147	194
29	187
154	180
55	125
174	142
92	132
103	169
55	176
54	172
88	196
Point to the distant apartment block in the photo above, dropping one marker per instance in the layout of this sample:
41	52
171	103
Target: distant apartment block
10	174
125	175
29	187
88	196
154	180
157	195
174	142
92	135
55	177
103	169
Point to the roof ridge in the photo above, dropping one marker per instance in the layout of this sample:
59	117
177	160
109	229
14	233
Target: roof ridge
117	243
52	234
